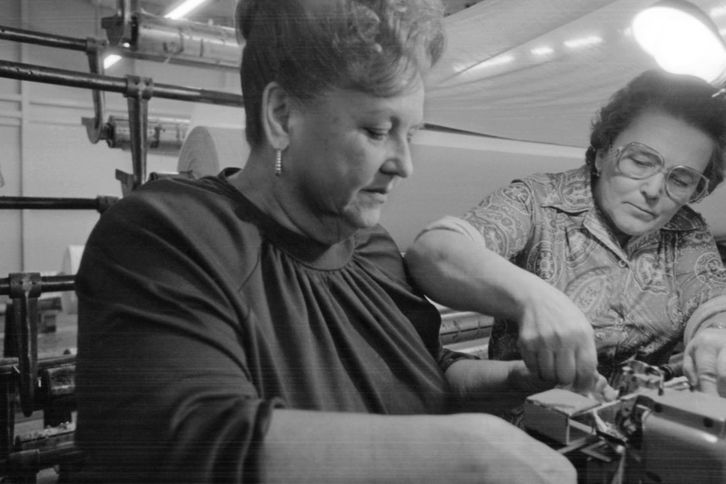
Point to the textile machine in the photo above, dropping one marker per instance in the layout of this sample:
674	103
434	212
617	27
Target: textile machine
656	431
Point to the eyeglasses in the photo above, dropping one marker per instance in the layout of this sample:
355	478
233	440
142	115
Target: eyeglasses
682	184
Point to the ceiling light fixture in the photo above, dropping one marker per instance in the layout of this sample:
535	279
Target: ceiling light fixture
183	9
581	42
542	51
682	39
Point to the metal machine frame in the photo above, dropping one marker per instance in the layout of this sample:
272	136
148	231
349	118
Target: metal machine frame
27	383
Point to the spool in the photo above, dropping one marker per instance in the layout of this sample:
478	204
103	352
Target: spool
208	149
71	262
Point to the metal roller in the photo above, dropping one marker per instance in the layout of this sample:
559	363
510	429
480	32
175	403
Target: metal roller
177	41
164	135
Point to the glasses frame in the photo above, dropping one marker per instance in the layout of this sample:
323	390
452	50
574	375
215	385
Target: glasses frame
617	155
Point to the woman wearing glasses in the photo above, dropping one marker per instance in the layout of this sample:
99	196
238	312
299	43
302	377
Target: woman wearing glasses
588	268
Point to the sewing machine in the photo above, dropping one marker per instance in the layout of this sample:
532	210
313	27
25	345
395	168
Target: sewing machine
656	431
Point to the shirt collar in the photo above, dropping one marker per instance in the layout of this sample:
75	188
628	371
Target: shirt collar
571	192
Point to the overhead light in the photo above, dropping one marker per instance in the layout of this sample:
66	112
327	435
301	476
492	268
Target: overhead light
110	60
682	39
542	51
493	62
581	42
183	9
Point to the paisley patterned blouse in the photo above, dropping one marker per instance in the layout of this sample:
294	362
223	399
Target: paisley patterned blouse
638	297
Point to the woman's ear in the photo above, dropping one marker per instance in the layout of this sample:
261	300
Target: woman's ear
276	104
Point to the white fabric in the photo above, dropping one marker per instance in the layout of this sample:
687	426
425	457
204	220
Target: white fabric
207	149
71	260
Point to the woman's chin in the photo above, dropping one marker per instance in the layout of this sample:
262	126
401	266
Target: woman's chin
363	217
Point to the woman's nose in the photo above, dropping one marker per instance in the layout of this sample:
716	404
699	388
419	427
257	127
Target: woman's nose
399	161
653	186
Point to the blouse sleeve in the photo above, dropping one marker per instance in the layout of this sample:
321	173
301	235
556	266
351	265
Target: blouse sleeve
504	219
502	222
700	278
164	393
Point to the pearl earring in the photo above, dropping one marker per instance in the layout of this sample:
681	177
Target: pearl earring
278	162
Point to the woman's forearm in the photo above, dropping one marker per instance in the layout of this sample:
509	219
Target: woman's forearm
457	272
319	447
555	337
492	385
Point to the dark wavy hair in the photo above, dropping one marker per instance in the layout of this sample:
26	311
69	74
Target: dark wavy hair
685	97
381	47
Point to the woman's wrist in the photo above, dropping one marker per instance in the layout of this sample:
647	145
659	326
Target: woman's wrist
522	380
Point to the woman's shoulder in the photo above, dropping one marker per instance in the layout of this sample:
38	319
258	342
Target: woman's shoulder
566	190
202	218
376	245
179	199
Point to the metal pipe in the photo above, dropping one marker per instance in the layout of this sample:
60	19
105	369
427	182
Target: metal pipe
38	38
100	203
138	109
49	75
47	284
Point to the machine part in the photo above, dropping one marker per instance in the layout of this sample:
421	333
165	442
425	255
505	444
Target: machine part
24	289
683	439
173	40
164	135
552	414
137	91
34	383
635	375
652	433
95	129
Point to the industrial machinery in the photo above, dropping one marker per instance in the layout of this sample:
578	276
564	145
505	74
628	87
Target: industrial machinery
656	431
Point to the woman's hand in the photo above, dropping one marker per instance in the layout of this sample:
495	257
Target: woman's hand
704	360
521	378
601	391
556	340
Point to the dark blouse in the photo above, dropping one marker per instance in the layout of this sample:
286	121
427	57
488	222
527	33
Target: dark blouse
197	311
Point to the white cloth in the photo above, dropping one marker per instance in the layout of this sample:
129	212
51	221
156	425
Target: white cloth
69	266
207	149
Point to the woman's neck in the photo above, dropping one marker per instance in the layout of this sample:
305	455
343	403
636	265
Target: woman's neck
270	195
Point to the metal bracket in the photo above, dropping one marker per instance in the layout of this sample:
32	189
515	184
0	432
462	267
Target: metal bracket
138	92
95	126
24	291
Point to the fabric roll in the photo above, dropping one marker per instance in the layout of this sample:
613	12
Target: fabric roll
207	150
69	266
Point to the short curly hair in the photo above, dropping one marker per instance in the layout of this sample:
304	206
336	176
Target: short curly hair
381	47
685	97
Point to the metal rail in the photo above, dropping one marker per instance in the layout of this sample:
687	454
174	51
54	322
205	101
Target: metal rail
100	203
48	40
129	86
